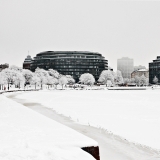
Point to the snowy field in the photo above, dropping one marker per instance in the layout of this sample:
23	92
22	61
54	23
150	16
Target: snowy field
133	115
27	135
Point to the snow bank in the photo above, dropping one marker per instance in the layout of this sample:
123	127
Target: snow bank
27	135
128	88
133	115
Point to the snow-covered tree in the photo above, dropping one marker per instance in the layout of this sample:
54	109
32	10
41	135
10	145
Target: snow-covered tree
155	80
126	81
63	81
143	80
53	73
16	68
2	80
35	80
137	80
87	79
118	77
105	76
147	81
60	75
42	74
132	80
50	81
56	76
114	74
70	79
109	83
27	75
18	79
55	82
9	75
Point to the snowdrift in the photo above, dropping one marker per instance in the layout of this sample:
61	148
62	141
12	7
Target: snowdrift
25	134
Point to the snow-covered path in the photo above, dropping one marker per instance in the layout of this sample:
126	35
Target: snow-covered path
111	146
28	135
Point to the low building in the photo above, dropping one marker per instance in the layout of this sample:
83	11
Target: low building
140	72
139	67
3	66
27	62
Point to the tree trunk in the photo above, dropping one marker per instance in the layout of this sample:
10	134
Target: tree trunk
41	85
35	86
8	86
0	86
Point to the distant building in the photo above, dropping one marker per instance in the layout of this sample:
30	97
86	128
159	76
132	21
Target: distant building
27	62
140	72
139	67
125	65
3	66
154	70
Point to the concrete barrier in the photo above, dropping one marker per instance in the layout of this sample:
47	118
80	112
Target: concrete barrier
94	151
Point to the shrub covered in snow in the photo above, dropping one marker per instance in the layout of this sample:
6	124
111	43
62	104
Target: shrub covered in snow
63	81
70	79
87	79
155	80
105	76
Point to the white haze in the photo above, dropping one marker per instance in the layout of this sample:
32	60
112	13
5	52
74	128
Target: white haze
113	28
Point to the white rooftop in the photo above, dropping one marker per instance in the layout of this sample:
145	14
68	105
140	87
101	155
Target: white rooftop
143	70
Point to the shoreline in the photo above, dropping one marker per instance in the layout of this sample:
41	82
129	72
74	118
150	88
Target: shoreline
111	146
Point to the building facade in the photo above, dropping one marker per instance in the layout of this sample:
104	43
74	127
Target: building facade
125	65
27	62
3	66
72	63
154	70
140	72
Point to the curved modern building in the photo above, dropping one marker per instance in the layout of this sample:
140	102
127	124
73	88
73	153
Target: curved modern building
72	63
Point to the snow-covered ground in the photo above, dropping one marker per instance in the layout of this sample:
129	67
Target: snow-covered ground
133	115
27	135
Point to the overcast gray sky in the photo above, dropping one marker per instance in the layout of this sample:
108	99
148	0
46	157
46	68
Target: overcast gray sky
115	29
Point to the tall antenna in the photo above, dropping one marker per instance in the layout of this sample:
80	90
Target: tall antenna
28	53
